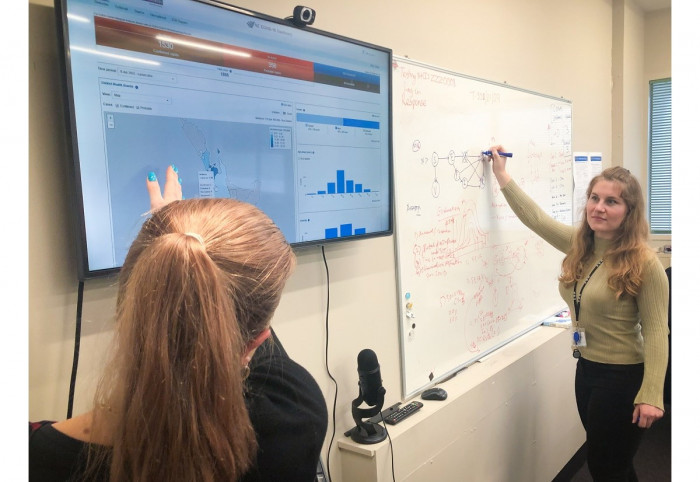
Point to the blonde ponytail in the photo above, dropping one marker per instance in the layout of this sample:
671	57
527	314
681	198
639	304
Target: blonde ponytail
202	279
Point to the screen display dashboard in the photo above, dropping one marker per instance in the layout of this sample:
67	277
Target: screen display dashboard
293	120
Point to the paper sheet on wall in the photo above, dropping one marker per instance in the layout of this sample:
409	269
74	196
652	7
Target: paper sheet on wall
587	165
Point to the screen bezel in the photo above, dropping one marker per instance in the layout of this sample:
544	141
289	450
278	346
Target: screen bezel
77	206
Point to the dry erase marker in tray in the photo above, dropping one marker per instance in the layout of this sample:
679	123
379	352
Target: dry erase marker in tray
561	320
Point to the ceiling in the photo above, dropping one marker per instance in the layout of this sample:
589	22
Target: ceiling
651	5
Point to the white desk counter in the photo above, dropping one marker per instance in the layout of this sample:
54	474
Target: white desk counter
511	416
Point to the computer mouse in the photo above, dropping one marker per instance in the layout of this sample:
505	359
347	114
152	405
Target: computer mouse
434	393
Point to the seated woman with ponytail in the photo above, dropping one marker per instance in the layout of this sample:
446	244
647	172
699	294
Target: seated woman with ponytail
198	387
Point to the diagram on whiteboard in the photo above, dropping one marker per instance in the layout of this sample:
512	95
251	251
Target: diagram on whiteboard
472	277
468	169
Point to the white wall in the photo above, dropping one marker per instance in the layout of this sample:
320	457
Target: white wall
567	52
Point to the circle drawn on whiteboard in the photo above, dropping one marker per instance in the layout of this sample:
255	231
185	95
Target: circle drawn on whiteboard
436	159
451	158
416	145
436	188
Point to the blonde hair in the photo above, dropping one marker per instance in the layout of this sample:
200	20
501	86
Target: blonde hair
626	256
202	279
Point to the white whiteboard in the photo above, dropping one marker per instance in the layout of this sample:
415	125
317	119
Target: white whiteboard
471	276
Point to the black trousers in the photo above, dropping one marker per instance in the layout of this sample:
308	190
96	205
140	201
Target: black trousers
605	399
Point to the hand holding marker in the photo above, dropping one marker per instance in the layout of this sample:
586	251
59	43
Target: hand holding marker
502	154
497	156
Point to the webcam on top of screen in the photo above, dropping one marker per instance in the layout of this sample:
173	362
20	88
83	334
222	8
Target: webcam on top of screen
303	16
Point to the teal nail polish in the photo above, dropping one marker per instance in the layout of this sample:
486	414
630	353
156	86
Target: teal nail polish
174	167
179	179
152	176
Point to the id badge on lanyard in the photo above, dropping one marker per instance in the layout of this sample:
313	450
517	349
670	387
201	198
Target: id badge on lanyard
578	334
578	337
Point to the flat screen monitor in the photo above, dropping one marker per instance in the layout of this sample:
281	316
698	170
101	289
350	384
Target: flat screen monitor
294	120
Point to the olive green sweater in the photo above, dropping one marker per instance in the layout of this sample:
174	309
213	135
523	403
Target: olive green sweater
627	330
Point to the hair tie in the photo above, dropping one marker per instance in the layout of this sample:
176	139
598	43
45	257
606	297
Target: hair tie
197	237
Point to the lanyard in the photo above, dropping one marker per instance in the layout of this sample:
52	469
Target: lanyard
577	300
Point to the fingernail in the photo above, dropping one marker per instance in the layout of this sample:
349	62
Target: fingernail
179	179
174	167
152	176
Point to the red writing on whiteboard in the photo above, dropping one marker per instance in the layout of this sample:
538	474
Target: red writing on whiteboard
489	325
413	98
444	80
452	316
455	235
456	297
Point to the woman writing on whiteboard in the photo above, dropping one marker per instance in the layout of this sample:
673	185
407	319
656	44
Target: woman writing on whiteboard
197	390
617	291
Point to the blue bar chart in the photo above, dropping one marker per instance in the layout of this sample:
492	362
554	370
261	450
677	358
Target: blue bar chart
344	230
342	186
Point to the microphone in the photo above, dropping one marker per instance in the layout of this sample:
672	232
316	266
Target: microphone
372	393
370	377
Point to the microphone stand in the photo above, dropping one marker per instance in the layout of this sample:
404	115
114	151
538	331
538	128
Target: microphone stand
367	432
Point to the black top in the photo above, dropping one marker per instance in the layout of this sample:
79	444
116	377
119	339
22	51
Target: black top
286	408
